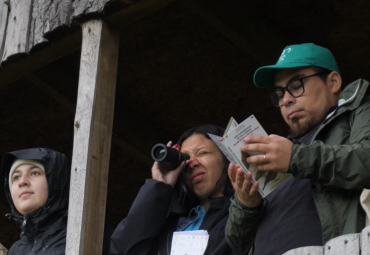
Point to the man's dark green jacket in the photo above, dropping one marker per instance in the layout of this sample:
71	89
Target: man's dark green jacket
337	162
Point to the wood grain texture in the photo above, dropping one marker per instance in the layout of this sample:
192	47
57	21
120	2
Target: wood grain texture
3	25
92	138
41	58
47	16
81	7
309	250
343	245
18	30
365	241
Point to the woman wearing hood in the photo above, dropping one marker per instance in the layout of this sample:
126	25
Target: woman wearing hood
154	216
37	189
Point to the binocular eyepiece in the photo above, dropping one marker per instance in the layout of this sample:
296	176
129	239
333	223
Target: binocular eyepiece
168	155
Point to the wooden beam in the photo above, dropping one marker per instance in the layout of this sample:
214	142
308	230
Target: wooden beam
18	30
82	7
41	58
92	139
227	31
47	17
51	92
137	11
71	43
250	34
119	137
133	151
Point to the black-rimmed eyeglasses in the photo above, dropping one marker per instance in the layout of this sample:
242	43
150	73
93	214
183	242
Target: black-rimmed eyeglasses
295	88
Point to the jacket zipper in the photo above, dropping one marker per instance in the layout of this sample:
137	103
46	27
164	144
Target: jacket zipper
24	224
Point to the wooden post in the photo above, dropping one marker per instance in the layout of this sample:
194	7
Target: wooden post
343	245
3	250
92	138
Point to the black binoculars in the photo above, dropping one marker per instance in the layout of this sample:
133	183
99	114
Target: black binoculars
168	155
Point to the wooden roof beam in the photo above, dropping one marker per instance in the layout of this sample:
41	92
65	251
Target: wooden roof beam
251	39
71	107
72	42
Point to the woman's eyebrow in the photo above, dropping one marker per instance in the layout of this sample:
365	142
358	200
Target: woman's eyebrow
16	171
200	148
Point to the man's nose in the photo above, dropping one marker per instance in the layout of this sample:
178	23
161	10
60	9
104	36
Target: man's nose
287	99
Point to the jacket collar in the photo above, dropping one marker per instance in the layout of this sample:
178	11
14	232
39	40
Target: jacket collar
351	96
349	99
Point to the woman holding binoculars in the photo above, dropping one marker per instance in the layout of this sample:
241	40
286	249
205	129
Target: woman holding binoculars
204	188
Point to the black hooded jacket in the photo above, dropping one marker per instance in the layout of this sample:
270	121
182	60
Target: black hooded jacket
44	230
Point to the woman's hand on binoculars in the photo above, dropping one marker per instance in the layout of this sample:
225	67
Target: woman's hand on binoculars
162	172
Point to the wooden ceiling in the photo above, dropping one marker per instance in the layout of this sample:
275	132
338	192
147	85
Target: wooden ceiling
183	64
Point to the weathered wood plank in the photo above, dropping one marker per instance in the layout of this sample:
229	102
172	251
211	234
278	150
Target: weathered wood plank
3	25
17	33
47	16
3	250
365	241
81	7
343	245
71	43
92	139
41	58
309	250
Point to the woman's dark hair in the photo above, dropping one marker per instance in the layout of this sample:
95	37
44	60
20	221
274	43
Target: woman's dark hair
224	180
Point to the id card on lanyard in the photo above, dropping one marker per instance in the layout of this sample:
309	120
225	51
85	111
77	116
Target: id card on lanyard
189	242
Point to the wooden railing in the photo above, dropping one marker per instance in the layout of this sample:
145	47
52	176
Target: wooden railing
3	250
351	244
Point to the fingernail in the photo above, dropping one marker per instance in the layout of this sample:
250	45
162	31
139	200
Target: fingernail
246	139
176	145
189	162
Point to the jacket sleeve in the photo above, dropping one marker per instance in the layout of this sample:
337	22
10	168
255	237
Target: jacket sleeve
340	166
138	232
242	225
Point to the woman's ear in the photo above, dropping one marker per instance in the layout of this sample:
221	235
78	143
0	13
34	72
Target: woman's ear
335	82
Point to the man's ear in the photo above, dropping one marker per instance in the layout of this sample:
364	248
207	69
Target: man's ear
335	82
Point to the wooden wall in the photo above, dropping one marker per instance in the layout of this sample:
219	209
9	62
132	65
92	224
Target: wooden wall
25	24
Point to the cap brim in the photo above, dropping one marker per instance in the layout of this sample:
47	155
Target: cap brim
265	75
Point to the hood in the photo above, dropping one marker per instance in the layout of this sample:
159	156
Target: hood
57	171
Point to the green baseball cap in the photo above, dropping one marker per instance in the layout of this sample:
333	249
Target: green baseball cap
298	55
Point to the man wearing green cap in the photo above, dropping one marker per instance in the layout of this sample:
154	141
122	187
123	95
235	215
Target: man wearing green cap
327	153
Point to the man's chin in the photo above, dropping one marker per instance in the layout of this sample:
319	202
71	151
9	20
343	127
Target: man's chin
298	130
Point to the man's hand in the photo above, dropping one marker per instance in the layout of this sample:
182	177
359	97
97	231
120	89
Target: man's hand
275	152
162	172
246	191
